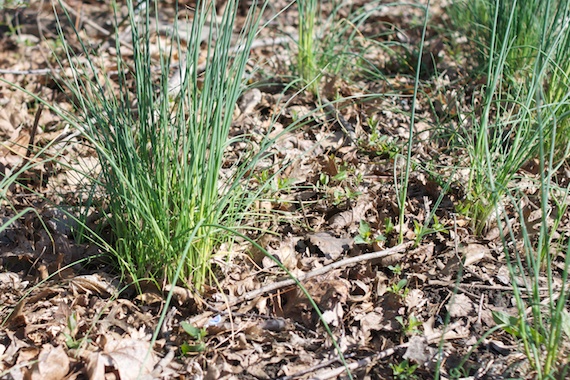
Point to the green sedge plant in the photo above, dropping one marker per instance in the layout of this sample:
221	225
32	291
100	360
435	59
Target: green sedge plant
527	31
329	43
306	64
542	322
403	181
160	139
503	134
516	124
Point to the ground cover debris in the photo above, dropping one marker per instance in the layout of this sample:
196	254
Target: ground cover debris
330	269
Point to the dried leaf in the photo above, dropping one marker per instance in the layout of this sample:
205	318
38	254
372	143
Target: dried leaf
460	306
330	246
127	356
93	283
474	253
52	364
418	351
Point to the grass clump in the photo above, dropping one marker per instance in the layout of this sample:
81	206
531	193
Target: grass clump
523	116
331	43
518	104
160	140
542	321
531	33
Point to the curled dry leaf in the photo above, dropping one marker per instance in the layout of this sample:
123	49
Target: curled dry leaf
129	357
418	351
330	246
286	254
52	364
10	280
474	253
93	283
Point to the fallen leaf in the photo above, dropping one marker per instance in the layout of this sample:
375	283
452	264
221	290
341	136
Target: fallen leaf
129	357
474	253
331	247
460	306
52	364
418	351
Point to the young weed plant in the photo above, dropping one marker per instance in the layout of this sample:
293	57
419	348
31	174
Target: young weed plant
333	45
161	140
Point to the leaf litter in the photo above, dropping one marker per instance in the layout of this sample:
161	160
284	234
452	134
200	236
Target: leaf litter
66	314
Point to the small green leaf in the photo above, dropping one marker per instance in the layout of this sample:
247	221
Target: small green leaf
186	348
341	176
194	332
508	323
359	240
364	229
402	283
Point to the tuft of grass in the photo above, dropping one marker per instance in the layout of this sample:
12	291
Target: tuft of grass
402	183
306	62
531	34
523	116
333	46
503	134
161	139
542	323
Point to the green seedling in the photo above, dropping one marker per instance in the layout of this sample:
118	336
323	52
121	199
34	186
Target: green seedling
400	288
410	327
284	183
344	194
404	370
365	235
422	230
70	340
70	334
324	179
388	226
197	334
341	175
513	326
396	269
380	145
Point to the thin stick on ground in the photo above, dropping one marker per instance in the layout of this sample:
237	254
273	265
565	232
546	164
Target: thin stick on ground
320	271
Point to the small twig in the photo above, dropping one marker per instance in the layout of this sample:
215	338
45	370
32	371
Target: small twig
466	287
315	367
335	372
317	272
29	72
79	18
34	131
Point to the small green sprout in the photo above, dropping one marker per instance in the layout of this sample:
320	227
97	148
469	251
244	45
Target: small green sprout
422	230
404	371
399	288
365	235
411	326
198	334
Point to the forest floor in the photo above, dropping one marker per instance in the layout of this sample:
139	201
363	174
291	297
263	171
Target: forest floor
405	311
